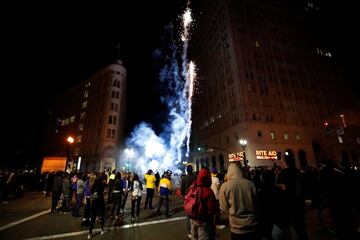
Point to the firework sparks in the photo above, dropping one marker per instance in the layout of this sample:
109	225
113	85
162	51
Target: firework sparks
187	19
166	151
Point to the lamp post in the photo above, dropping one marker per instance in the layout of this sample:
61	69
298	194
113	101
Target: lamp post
129	154
70	140
243	143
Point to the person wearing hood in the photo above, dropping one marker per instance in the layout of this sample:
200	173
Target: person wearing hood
237	197
203	228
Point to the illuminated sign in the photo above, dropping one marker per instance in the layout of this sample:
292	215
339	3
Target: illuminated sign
266	155
238	156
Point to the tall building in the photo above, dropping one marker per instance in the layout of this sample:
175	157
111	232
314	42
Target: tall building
93	113
266	77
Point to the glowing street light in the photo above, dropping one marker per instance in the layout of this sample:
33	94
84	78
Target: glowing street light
243	143
70	140
129	154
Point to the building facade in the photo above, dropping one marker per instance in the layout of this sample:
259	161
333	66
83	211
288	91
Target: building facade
265	77
93	113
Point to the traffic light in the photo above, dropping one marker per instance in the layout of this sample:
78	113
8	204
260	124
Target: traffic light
57	125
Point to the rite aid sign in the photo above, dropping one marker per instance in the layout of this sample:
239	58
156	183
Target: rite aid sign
238	156
266	155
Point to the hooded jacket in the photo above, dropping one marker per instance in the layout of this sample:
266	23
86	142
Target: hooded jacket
237	197
207	195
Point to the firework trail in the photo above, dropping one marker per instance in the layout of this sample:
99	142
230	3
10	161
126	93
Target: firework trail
166	151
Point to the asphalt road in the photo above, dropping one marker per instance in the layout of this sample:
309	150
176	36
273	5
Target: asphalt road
28	218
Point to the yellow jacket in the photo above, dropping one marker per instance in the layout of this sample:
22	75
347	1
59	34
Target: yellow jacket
164	186
150	181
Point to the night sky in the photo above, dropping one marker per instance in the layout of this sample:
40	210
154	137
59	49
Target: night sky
47	48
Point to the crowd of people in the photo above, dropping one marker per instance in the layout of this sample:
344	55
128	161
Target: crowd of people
14	182
89	190
270	203
259	203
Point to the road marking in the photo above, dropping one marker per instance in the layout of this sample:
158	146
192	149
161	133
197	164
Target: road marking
71	234
23	220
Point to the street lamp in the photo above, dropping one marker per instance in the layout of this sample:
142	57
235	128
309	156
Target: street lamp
129	154
70	140
243	143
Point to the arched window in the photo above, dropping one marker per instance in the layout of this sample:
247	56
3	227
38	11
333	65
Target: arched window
302	159
345	161
202	163
221	161
197	165
213	161
355	158
289	158
317	151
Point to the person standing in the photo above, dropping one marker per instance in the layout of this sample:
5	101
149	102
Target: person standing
136	189
157	181
150	189
98	203
66	191
202	228
81	186
117	195
215	186
87	193
56	191
237	197
290	183
165	187
111	185
186	182
126	184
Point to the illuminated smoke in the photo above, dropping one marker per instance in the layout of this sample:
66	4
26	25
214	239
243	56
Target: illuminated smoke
171	147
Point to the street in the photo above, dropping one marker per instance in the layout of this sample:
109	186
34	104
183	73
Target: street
29	217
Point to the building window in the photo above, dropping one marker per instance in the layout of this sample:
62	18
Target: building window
112	106
116	107
67	121
298	136
113	94
259	133
340	139
82	115
112	120
114	83
272	134
358	140
286	136
113	133
86	94
72	118
117	95
81	127
78	138
84	104
63	122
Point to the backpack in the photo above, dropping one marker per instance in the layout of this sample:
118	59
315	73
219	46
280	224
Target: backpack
193	204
